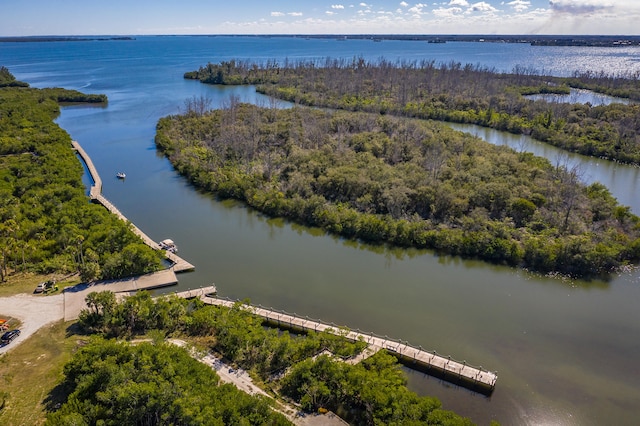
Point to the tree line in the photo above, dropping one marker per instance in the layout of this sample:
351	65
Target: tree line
412	183
46	222
457	93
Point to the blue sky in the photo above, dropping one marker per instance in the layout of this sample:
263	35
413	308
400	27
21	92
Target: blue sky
139	17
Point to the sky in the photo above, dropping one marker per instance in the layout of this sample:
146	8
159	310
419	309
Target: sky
142	17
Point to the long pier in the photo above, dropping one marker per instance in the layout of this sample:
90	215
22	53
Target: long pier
475	378
178	264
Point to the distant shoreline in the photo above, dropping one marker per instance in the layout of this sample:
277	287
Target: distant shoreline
36	39
534	40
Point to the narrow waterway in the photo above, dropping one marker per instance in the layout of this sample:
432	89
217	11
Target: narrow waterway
622	180
580	96
540	334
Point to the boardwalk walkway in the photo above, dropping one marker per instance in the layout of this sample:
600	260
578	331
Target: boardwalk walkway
95	193
474	378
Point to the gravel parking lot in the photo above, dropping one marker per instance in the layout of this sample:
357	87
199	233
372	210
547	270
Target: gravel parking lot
33	311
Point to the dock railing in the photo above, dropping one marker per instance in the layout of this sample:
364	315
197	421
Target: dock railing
415	356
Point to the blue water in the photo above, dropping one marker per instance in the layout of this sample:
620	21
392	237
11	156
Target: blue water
580	96
566	352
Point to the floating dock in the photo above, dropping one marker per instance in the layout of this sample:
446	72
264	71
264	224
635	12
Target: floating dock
477	379
178	264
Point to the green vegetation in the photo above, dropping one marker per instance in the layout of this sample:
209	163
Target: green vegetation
457	93
404	181
47	224
65	96
263	351
372	392
112	383
8	80
26	282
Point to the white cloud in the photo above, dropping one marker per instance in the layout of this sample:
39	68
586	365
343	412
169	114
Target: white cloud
585	16
280	14
482	7
519	5
418	9
447	12
579	6
461	17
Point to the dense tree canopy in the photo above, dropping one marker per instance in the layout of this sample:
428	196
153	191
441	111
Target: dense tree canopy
46	221
236	333
371	392
404	181
296	366
455	92
111	383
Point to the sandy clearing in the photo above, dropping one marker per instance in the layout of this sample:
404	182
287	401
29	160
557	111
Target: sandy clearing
34	311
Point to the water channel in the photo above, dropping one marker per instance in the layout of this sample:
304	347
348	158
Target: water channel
580	96
555	354
566	352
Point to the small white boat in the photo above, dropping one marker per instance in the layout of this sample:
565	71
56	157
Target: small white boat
121	175
168	245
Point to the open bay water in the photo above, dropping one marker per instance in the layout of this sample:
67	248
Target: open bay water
566	353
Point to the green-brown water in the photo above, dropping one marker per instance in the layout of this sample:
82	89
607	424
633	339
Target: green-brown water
565	352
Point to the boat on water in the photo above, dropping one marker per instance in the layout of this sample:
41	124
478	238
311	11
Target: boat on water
121	175
168	245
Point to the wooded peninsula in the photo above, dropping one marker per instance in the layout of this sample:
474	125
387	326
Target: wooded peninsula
383	178
457	93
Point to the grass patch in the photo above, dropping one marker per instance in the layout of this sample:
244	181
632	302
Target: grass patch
27	282
31	371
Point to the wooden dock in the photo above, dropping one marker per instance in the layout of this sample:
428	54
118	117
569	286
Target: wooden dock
197	292
475	378
74	297
178	264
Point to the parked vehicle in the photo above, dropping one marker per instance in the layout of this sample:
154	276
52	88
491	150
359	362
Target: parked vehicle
9	336
46	286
